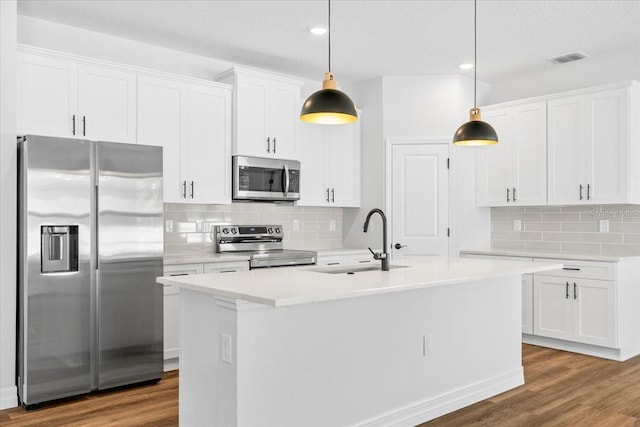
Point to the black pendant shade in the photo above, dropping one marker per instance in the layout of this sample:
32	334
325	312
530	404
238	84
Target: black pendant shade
475	132
328	106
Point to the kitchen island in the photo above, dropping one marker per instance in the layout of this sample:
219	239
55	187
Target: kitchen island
343	345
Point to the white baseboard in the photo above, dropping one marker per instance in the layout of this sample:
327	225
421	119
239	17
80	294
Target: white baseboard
420	412
619	355
171	364
8	397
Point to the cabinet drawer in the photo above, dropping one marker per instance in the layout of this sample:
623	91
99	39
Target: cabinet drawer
225	267
581	269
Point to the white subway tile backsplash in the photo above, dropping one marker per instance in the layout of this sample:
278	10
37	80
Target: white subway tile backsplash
193	224
568	229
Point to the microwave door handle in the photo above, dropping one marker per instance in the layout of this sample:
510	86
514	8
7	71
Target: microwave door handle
286	180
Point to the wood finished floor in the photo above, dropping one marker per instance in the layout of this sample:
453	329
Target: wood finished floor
561	389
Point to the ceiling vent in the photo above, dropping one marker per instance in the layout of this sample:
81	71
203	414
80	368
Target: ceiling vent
563	59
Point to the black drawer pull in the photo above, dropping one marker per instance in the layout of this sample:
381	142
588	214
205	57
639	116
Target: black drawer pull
179	274
227	271
571	268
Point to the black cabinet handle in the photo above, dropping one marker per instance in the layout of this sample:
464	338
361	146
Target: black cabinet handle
179	274
184	189
508	196
581	187
73	122
274	145
571	268
588	191
328	196
268	144
566	295
575	291
84	126
192	189
514	194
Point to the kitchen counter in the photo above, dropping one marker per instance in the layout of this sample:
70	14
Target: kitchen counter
277	346
302	285
559	255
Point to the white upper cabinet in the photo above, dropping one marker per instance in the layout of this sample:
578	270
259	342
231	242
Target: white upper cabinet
591	147
65	98
330	164
513	172
265	113
192	122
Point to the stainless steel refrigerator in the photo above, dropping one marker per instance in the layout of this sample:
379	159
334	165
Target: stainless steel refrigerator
90	248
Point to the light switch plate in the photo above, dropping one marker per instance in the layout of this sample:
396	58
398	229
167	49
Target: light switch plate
296	225
168	225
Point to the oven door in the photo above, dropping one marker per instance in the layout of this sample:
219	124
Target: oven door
263	179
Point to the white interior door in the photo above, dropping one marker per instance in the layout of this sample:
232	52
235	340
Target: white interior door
419	199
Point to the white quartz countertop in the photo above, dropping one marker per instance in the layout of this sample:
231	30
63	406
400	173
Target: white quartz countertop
287	286
531	254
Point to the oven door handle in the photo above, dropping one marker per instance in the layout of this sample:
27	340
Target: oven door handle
286	180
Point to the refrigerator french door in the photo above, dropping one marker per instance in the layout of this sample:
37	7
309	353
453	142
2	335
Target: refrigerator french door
90	247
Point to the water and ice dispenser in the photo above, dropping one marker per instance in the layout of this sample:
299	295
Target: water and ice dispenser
59	248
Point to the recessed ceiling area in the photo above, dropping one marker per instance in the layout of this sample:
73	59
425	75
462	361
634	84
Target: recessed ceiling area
369	38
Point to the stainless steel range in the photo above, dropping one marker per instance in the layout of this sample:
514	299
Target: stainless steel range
263	243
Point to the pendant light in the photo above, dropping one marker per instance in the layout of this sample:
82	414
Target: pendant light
329	106
475	131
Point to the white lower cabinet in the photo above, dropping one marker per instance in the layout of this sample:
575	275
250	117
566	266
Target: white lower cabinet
171	315
576	309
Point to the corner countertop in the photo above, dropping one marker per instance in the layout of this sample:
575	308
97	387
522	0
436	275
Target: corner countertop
548	255
302	285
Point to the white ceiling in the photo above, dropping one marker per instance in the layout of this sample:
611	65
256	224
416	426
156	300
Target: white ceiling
369	38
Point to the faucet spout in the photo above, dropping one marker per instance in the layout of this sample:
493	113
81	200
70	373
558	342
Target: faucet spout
384	256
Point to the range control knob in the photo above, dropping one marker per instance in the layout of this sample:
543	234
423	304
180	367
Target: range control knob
270	230
277	230
225	231
234	230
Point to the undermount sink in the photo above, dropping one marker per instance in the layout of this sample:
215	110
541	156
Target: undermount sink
351	269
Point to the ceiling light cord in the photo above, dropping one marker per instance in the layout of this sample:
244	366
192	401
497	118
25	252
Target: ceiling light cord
329	38
475	54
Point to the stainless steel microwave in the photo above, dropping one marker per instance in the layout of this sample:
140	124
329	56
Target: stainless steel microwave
265	179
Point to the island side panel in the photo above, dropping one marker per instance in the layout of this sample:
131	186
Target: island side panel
207	384
356	361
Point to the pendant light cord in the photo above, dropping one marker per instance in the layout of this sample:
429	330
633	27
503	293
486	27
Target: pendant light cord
475	54
329	38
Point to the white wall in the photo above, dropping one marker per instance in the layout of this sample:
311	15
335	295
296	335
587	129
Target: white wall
573	75
411	107
8	177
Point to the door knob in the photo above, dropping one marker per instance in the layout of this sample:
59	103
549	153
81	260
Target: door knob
399	246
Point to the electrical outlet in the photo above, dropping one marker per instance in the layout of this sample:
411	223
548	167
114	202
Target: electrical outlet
168	226
604	225
199	226
517	225
226	348
332	225
296	225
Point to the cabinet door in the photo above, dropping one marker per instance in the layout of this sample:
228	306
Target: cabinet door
529	157
283	114
206	152
107	104
527	303
172	309
313	189
161	115
607	147
47	96
342	169
552	304
566	151
251	125
494	163
594	317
